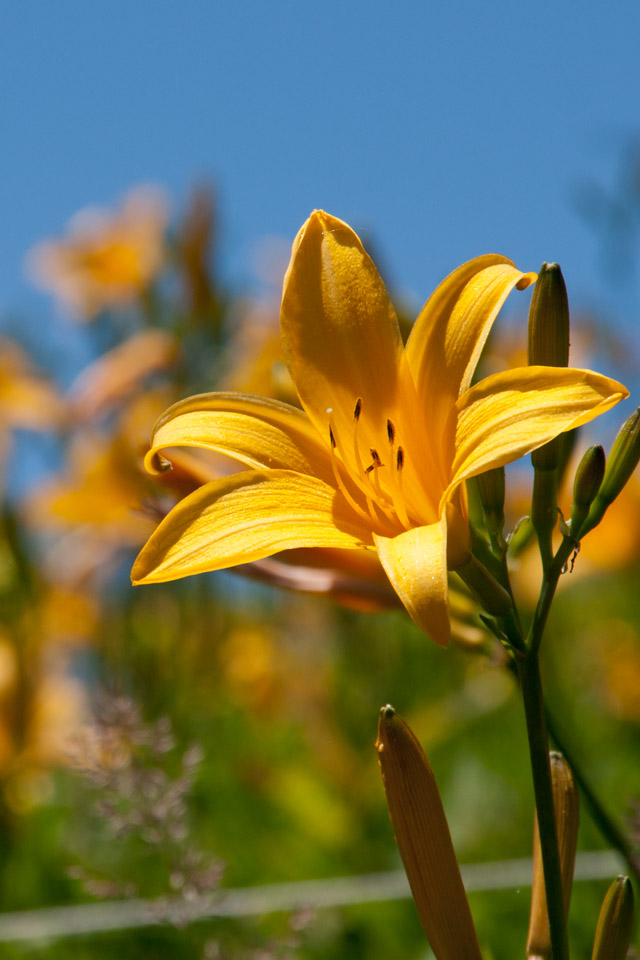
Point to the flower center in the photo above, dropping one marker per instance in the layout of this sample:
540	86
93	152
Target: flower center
379	483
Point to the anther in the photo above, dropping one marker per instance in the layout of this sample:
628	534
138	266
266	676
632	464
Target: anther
391	432
375	456
356	451
342	487
400	459
362	475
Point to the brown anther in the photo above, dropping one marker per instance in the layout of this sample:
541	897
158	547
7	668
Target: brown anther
358	409
376	458
391	431
332	439
400	458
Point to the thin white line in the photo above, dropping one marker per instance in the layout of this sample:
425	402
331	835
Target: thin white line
56	922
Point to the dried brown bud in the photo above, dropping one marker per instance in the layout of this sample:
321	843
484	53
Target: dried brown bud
424	841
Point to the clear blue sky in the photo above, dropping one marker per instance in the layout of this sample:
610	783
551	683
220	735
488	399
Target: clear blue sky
442	130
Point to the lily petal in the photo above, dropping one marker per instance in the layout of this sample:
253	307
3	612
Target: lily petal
416	563
254	430
328	571
341	338
445	343
342	343
246	517
509	414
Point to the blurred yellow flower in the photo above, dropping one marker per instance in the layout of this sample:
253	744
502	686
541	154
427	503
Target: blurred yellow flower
108	258
119	373
378	459
27	399
93	510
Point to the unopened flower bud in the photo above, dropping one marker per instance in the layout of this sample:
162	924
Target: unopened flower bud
586	484
549	319
565	804
622	461
424	841
613	933
548	343
589	476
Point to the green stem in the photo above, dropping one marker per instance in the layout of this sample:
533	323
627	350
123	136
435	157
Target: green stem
549	584
529	673
544	509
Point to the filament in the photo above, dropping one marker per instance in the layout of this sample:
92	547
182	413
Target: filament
342	487
397	461
374	515
373	469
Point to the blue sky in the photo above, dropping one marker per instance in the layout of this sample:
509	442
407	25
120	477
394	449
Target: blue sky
441	130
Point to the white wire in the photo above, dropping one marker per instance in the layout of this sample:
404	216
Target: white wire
57	922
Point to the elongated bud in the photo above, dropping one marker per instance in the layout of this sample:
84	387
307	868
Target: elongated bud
491	490
622	461
565	804
548	342
613	933
586	485
424	841
589	476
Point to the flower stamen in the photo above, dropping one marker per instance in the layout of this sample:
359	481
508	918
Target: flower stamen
373	469
374	509
361	471
397	456
356	449
342	487
382	502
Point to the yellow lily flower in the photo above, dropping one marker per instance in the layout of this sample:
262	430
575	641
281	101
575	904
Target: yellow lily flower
108	258
378	457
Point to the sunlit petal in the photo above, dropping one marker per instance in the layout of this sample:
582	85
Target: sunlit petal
445	344
256	431
342	344
340	333
416	564
246	517
510	414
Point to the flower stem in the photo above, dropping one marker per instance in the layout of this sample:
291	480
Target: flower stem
552	574
529	673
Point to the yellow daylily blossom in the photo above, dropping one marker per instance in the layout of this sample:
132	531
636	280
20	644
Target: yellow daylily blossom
377	458
119	373
107	258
